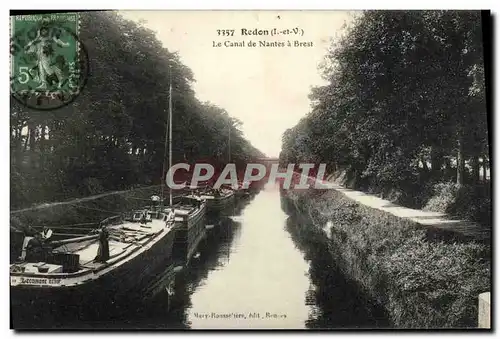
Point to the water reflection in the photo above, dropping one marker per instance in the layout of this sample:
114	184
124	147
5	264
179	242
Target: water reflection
262	280
335	301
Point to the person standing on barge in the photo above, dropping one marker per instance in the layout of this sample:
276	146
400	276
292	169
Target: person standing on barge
103	251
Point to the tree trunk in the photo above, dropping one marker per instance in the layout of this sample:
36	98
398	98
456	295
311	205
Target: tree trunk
31	143
17	145
436	159
31	136
475	169
42	145
484	168
25	147
460	163
424	164
333	167
447	164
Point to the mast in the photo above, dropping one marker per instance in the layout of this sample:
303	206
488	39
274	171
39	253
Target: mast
229	143
168	139
170	129
162	190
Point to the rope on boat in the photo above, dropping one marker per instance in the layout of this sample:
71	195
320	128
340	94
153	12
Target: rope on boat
72	226
70	202
68	234
138	198
96	209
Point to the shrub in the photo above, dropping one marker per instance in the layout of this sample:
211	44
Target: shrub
469	202
445	194
473	203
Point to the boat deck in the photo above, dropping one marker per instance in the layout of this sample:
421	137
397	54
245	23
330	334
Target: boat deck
125	238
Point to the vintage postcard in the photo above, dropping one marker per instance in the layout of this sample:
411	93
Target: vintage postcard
250	170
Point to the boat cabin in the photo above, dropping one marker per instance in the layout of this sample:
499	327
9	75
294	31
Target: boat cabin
146	216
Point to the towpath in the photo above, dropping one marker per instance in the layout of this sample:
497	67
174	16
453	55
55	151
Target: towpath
428	219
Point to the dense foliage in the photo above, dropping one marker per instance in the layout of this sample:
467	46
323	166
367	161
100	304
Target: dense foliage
112	136
404	108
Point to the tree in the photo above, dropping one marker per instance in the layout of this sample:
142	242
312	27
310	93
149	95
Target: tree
113	135
405	96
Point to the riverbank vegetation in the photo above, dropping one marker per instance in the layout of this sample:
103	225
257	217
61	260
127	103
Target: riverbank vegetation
420	283
404	112
112	136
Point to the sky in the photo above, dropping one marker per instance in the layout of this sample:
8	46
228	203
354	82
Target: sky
266	88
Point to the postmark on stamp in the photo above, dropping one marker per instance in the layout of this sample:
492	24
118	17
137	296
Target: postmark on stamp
49	65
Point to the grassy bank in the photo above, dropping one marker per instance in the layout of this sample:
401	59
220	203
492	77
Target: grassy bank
420	283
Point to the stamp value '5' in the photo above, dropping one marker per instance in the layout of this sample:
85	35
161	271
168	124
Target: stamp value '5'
48	62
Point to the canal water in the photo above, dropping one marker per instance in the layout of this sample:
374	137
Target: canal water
259	268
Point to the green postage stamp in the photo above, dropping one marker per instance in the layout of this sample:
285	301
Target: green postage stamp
48	61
